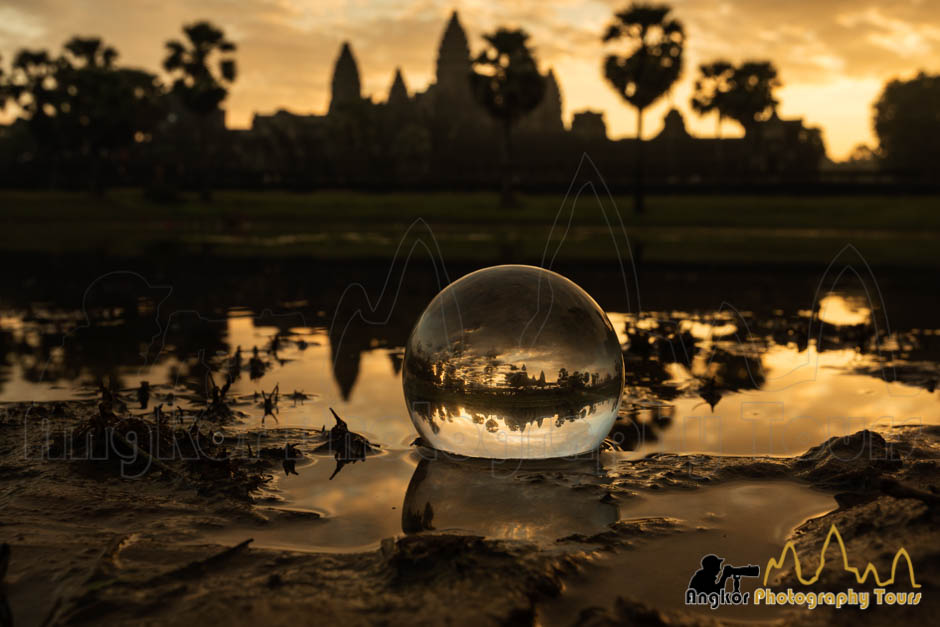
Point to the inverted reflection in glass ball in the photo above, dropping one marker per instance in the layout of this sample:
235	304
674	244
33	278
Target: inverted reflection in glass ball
513	362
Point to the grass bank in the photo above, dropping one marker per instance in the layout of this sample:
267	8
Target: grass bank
887	230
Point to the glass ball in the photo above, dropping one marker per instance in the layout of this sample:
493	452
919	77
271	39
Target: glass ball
513	362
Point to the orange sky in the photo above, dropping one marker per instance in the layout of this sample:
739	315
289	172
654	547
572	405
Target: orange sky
833	55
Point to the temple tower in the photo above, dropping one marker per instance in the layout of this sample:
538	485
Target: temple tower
674	126
453	59
546	117
346	89
398	92
550	107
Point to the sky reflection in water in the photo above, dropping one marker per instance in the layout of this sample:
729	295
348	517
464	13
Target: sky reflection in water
692	385
779	398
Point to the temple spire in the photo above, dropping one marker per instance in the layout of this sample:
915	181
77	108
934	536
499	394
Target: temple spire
398	93
346	89
546	117
453	57
550	107
552	96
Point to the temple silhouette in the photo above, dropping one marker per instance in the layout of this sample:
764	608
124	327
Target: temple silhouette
440	137
435	138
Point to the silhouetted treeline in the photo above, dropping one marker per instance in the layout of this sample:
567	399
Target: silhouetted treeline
488	119
908	125
85	121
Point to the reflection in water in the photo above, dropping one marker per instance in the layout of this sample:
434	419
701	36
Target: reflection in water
778	380
844	309
640	424
347	447
513	362
493	500
722	371
743	522
781	381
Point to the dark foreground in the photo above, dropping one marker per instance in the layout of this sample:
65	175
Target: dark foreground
88	547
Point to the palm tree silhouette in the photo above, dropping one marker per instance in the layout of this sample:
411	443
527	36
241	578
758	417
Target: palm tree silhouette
200	85
711	95
505	80
649	70
750	98
712	89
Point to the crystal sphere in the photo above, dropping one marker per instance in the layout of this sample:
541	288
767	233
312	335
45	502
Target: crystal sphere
513	362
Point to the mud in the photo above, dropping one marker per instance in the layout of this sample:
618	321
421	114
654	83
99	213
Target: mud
88	546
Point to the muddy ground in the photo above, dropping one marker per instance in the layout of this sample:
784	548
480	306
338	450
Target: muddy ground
86	546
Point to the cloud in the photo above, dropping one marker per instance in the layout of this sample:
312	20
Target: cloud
16	23
896	36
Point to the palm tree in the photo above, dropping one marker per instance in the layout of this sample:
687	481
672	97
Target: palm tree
711	90
505	80
711	95
200	85
750	99
652	66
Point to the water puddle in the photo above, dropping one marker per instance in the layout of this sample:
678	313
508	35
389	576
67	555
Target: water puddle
742	522
774	379
406	492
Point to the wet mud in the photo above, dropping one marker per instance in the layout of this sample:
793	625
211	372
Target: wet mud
85	544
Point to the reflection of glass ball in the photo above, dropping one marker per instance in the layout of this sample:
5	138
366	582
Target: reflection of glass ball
513	362
485	497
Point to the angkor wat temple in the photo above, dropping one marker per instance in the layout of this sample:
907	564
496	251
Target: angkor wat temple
436	138
440	137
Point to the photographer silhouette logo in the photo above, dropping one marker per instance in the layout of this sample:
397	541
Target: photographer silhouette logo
708	584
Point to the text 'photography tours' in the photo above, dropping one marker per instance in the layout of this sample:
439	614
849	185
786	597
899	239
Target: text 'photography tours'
548	313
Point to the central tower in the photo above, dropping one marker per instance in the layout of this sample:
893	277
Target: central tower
453	59
346	89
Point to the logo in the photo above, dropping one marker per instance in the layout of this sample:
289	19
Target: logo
842	598
708	585
860	577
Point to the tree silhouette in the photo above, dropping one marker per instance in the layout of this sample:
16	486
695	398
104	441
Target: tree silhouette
652	66
31	84
906	122
200	84
91	53
102	108
863	158
505	80
712	89
4	87
32	87
750	99
80	108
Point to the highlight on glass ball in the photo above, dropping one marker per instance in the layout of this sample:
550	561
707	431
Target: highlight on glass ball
513	362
